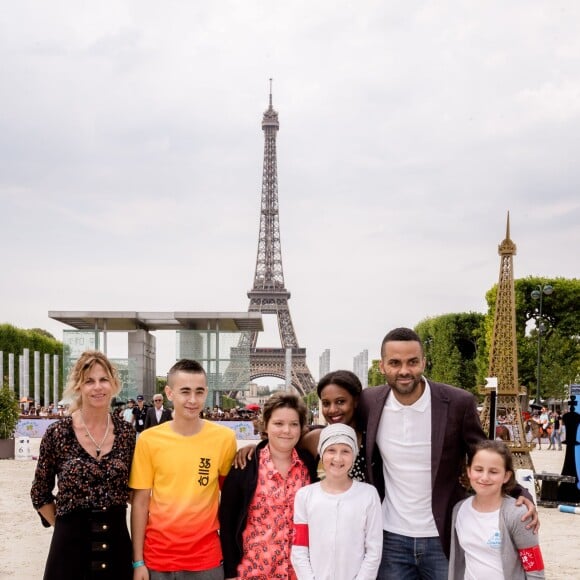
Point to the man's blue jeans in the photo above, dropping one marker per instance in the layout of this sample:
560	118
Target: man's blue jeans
407	558
555	435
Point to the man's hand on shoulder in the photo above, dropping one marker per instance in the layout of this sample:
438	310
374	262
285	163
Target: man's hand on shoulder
531	514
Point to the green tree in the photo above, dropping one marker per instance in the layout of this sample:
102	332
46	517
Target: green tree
311	399
160	383
15	340
451	343
43	332
9	413
560	342
375	376
228	403
311	402
560	363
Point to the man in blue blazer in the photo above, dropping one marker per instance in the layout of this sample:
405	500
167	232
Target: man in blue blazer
418	434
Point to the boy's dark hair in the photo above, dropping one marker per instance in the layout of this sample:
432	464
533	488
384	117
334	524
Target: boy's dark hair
283	400
502	450
345	379
401	334
185	365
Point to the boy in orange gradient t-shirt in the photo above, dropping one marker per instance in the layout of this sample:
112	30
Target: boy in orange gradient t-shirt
176	475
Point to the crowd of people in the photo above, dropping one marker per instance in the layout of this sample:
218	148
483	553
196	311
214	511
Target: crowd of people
235	414
141	416
51	411
375	494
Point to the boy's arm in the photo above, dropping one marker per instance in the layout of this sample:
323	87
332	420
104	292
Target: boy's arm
230	507
139	515
300	553
229	513
229	452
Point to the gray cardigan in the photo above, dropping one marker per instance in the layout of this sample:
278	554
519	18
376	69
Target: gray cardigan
514	537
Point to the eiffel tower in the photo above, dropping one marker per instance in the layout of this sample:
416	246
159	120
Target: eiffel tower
503	359
269	294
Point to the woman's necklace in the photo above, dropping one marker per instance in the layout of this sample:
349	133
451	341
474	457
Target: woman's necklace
97	445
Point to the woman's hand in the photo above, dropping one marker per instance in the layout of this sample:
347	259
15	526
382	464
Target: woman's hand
48	512
243	455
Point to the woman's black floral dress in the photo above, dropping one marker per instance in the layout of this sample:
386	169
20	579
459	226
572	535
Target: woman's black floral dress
90	538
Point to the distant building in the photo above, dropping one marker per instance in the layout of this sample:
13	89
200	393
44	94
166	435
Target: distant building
324	364
361	367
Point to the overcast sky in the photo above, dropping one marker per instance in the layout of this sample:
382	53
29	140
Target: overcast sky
131	157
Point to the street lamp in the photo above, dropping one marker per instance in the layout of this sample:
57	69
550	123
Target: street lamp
538	294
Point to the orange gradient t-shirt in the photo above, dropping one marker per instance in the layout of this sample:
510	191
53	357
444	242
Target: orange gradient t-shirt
183	475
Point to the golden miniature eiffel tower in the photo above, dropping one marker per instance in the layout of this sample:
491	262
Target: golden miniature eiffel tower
503	362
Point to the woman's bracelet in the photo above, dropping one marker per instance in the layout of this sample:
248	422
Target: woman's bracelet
138	564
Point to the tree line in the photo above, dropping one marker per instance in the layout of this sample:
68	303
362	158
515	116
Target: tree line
14	340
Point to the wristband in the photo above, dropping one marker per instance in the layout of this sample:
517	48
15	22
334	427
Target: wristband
138	564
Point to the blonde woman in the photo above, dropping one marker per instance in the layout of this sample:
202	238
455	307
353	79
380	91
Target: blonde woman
89	453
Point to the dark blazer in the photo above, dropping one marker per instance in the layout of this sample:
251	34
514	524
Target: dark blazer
455	426
237	493
151	418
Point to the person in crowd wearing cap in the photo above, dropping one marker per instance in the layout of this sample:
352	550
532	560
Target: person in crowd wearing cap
176	476
257	503
338	532
157	414
418	435
339	393
139	415
128	412
88	453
